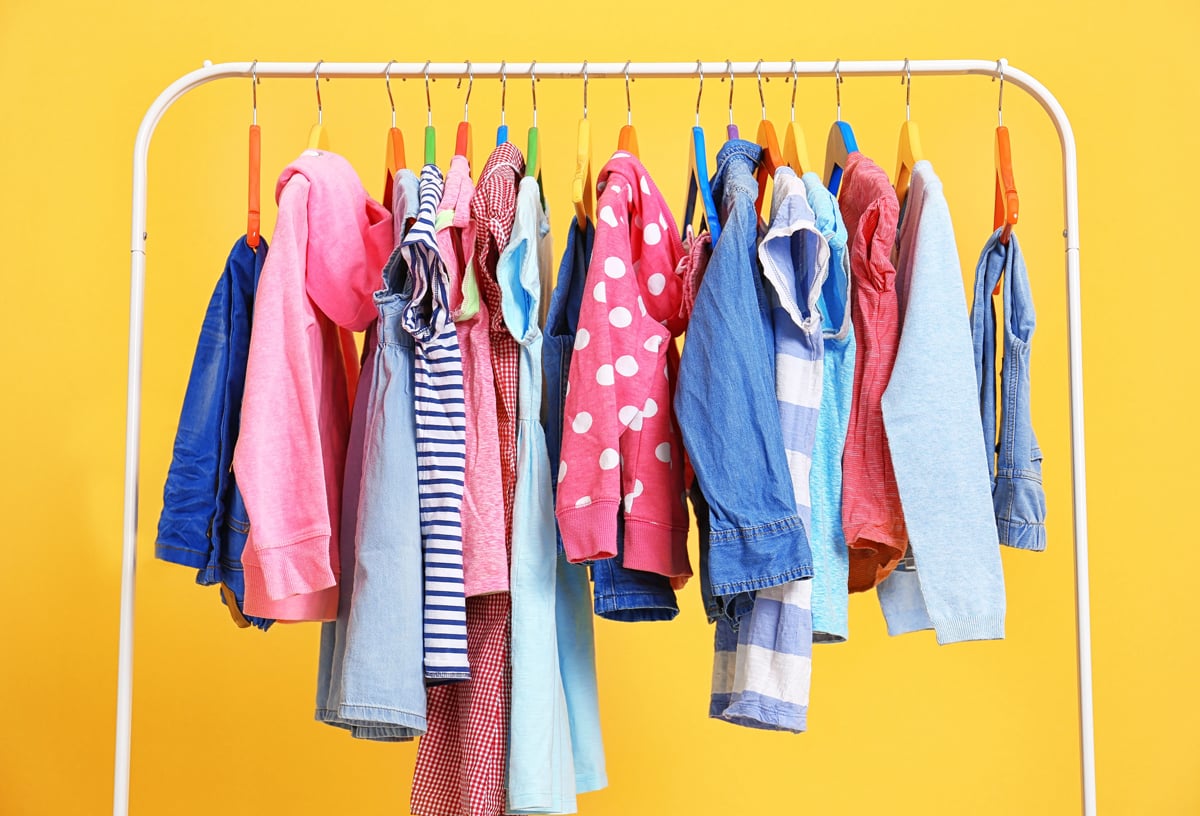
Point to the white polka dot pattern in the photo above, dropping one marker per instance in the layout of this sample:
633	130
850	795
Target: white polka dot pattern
604	375
626	366
582	422
620	317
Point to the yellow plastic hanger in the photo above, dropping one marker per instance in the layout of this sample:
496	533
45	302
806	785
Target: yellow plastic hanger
627	140
910	143
318	137
394	151
795	146
582	194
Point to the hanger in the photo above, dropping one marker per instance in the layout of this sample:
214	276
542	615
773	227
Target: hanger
318	137
771	159
841	142
394	152
464	145
533	156
582	194
731	131
699	185
627	140
910	142
1008	203
253	210
502	131
795	146
430	134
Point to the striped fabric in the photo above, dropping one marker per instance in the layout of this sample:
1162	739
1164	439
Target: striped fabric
441	440
761	674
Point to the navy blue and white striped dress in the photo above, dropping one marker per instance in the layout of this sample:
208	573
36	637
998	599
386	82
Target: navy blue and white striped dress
441	440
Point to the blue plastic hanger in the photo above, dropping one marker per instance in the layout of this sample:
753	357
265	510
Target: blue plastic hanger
502	131
699	186
841	142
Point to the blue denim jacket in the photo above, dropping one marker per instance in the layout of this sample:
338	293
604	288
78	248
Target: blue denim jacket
620	594
1017	492
204	522
725	403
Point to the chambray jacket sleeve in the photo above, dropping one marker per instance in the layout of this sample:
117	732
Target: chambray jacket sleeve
726	407
278	459
614	362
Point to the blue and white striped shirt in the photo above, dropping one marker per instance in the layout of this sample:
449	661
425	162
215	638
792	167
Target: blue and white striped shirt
441	440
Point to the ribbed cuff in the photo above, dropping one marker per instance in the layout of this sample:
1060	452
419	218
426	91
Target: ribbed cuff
589	533
299	568
984	627
657	548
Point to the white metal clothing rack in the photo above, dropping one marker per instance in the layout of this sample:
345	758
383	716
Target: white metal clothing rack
576	70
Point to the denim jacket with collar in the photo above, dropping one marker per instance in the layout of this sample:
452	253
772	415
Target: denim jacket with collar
204	521
1016	468
725	402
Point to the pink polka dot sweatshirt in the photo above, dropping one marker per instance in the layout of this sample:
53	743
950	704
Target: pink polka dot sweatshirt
621	443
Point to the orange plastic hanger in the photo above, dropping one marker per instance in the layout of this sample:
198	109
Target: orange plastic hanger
909	151
318	137
771	159
1008	203
464	145
627	139
253	210
394	152
795	146
582	194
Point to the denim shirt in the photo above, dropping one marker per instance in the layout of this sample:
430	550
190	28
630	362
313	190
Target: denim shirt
204	521
725	403
1017	492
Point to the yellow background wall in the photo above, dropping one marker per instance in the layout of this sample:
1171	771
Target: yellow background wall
223	716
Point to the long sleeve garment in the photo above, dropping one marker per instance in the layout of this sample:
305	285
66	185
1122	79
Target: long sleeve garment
541	772
872	518
316	289
460	762
441	419
761	675
725	400
356	686
831	560
1015	459
485	565
203	522
931	414
621	446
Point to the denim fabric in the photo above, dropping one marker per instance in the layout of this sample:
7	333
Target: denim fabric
204	522
726	407
620	594
1017	492
382	689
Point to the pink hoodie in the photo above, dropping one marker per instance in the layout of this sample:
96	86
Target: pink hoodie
316	288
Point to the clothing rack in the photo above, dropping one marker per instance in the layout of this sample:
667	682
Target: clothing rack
599	70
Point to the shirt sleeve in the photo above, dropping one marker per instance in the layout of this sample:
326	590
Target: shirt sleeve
612	369
278	461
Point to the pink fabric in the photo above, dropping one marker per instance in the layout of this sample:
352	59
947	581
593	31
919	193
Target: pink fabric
315	290
460	761
485	564
872	518
620	440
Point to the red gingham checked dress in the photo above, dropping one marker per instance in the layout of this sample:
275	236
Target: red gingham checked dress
460	762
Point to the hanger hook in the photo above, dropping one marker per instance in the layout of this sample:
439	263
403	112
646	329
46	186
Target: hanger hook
906	80
470	85
387	79
254	80
838	81
795	82
533	88
1000	102
428	98
585	89
762	100
699	93
317	76
628	103
503	88
729	67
